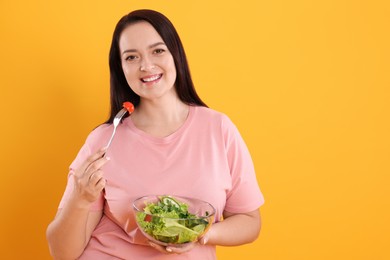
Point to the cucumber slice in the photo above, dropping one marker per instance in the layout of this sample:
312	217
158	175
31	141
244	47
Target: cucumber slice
170	201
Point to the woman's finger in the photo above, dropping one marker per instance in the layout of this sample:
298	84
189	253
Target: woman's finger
89	161
101	184
172	249
94	167
158	247
180	249
95	177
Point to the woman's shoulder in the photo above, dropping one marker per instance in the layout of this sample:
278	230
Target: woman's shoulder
209	115
206	112
99	131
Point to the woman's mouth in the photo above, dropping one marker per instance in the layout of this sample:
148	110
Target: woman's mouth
151	78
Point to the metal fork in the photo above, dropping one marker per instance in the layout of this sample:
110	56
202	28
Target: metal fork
116	121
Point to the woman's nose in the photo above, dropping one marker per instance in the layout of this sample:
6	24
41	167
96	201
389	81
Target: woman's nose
146	65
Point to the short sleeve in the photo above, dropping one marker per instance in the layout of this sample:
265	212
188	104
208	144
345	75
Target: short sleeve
245	194
83	154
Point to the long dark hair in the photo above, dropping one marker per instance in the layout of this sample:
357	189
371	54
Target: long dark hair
120	90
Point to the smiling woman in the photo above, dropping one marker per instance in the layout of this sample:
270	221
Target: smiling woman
171	134
164	34
148	65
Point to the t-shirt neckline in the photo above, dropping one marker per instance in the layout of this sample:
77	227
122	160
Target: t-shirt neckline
165	139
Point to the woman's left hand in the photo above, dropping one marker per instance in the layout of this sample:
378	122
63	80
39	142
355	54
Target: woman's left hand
178	249
173	249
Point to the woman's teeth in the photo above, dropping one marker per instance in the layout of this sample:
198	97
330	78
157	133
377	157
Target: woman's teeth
153	78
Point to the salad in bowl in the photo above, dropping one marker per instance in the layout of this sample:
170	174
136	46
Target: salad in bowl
173	220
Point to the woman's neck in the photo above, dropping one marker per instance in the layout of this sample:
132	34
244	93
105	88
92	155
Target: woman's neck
160	118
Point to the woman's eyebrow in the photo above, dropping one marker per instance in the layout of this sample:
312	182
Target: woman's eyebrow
150	47
156	44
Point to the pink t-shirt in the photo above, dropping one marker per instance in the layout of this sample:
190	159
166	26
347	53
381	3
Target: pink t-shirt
206	158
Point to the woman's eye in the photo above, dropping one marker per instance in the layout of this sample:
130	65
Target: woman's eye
159	51
130	58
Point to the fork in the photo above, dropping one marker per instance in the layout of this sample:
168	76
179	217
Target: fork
116	121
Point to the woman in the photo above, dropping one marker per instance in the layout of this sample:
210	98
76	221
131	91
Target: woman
171	144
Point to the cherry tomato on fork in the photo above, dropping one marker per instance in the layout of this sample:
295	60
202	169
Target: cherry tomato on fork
129	106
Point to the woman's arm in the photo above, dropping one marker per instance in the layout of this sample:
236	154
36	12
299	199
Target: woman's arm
70	231
235	229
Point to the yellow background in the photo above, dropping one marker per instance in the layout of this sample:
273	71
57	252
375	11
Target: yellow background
306	82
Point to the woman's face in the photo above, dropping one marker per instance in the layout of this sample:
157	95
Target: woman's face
148	65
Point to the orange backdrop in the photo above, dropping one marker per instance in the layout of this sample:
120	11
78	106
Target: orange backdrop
306	82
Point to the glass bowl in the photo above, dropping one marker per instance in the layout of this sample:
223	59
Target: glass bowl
173	220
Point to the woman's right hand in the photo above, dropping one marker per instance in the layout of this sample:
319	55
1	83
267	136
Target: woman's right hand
70	231
88	178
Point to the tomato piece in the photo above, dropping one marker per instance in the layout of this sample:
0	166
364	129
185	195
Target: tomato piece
148	218
129	106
